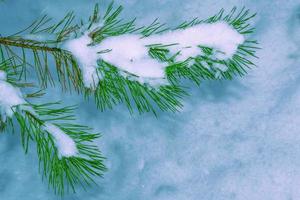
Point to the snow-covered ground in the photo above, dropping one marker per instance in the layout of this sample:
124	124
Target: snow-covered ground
233	140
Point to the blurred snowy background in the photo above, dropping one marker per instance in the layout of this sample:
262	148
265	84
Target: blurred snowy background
233	140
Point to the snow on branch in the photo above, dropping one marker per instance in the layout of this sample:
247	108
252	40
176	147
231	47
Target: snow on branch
64	143
10	97
87	57
219	36
2	76
130	52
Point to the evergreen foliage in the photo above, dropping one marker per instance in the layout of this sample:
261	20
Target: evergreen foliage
21	55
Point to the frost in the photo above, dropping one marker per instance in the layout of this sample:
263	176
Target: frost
130	52
64	143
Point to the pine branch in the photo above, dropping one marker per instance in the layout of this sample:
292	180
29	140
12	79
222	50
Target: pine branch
23	44
43	40
121	86
116	88
113	89
67	69
239	64
63	172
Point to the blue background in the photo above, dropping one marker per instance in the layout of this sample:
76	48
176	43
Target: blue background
235	139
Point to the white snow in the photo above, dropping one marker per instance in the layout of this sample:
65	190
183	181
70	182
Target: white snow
234	139
2	75
64	143
220	36
9	97
129	52
87	57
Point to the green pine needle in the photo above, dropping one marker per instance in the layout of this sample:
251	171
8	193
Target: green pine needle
120	86
20	56
63	174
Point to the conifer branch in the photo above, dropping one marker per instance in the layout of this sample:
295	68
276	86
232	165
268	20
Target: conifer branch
44	40
63	174
128	90
63	171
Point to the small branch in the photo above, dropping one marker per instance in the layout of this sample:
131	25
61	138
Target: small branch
28	44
